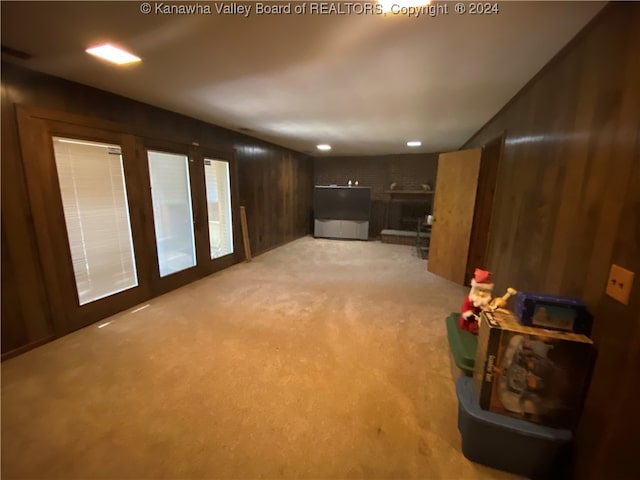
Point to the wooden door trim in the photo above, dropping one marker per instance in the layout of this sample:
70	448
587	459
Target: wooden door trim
502	138
485	202
31	131
71	118
144	134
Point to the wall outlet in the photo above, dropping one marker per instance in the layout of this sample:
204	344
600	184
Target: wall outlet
619	283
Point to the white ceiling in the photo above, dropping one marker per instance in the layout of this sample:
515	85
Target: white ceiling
363	83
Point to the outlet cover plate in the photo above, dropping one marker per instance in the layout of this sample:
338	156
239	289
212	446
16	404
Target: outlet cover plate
620	283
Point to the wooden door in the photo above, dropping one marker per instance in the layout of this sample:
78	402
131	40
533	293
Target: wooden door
71	223
453	210
179	232
217	196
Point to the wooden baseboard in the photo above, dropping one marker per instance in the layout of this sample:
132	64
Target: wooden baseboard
25	348
278	245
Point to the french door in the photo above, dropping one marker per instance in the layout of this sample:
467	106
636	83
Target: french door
120	219
88	214
191	203
172	211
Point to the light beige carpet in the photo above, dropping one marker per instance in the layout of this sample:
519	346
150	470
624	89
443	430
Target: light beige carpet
319	359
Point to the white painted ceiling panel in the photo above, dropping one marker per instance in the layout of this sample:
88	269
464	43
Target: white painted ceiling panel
363	83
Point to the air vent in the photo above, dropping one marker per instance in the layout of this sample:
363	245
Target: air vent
12	52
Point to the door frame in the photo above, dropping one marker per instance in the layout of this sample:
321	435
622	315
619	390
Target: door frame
485	201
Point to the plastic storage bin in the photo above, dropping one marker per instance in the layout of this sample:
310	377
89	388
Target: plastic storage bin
506	443
462	344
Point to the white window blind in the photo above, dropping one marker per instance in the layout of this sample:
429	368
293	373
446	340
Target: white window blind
172	214
96	212
219	207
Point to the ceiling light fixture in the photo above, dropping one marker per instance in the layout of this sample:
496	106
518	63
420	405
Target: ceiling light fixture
324	147
397	6
112	54
414	143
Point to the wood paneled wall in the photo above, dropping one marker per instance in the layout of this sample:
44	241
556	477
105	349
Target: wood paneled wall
275	185
409	171
277	189
568	206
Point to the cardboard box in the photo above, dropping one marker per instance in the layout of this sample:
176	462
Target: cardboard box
531	373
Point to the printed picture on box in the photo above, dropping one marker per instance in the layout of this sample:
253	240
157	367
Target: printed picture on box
551	316
536	379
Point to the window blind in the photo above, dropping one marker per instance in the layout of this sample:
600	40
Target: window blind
172	213
96	212
219	207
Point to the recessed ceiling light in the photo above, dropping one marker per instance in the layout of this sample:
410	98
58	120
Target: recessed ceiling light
112	54
414	143
324	147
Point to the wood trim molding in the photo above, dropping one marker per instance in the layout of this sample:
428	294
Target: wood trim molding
30	134
147	136
25	348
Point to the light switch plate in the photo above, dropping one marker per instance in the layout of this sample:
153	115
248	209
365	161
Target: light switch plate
620	283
